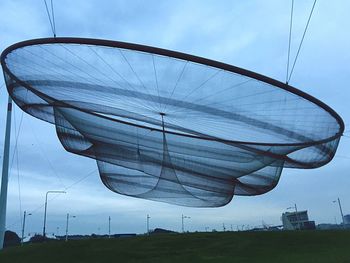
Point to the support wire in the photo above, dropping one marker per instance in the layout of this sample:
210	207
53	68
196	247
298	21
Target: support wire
302	40
290	39
52	21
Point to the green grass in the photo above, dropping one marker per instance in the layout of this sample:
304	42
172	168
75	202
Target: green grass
281	247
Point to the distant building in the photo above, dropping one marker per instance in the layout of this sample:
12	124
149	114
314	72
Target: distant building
347	219
297	220
329	227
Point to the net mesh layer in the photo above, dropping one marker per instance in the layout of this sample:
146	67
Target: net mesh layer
168	128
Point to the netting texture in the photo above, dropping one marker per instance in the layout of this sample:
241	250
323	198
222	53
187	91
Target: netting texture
166	128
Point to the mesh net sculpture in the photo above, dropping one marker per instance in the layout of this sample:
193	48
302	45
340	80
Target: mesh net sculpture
169	126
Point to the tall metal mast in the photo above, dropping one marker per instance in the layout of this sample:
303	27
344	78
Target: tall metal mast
5	173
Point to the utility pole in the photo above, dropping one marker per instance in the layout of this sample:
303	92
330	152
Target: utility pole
49	192
223	227
24	223
148	217
5	173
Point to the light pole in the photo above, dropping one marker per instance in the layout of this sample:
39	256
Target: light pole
341	210
296	214
24	223
183	217
68	216
148	217
49	192
109	227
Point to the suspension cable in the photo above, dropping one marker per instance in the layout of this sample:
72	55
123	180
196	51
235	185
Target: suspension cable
16	157
52	21
53	18
290	39
84	177
301	42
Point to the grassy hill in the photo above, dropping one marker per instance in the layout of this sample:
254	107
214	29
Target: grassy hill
281	247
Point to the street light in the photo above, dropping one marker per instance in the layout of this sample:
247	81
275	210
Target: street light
24	223
183	217
68	216
296	214
148	217
341	210
109	227
49	192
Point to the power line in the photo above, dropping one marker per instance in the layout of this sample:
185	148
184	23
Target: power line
302	40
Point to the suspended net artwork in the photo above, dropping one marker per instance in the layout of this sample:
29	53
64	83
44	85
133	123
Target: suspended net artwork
168	126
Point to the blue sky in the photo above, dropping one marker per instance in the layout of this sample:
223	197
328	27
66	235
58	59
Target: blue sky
248	34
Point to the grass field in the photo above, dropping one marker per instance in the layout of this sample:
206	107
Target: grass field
296	247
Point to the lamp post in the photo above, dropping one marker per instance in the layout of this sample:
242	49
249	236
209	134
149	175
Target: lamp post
24	223
296	214
341	210
67	222
183	217
109	227
49	192
148	217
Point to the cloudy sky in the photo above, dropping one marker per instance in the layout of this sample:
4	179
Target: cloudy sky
249	34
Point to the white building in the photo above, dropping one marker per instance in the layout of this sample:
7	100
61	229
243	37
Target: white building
297	220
